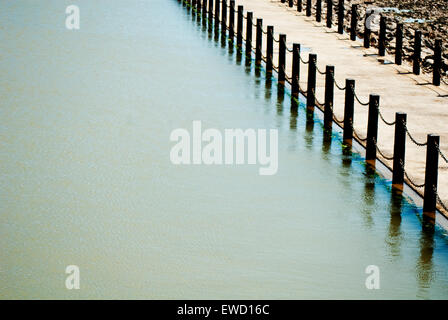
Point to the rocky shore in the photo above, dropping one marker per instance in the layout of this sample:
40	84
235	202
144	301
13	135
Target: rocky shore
430	17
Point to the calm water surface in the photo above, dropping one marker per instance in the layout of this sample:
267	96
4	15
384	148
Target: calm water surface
85	119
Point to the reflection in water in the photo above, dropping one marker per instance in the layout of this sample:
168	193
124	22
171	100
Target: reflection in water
346	156
309	128
268	85
294	114
280	99
425	273
239	56
369	196
326	143
394	235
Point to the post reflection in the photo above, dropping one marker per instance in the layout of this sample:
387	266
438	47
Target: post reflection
425	272
309	131
294	114
268	85
369	196
394	235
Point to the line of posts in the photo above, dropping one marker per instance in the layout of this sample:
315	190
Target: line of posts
399	148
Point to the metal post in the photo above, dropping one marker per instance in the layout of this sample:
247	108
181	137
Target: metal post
348	111
216	14
295	74
250	18
431	171
239	27
308	8
204	9
281	58
382	37
269	48
299	5
353	22
259	42
372	129
417	52
341	17
210	12
224	17
399	44
318	10
311	88
291	3
232	21
367	30
437	62
329	13
329	97
399	150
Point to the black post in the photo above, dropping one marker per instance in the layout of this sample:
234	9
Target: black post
308	8
348	111
259	42
216	14
329	13
239	27
353	22
250	18
367	30
295	70
431	171
341	17
372	129
281	58
399	150
329	97
204	9
417	52
269	48
437	62
224	17
311	88
299	5
210	12
399	44
382	37
318	10
199	6
232	21
283	1
291	3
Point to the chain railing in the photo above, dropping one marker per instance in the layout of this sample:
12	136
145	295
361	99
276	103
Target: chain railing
321	105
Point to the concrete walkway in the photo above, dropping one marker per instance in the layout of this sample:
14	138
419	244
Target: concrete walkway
400	91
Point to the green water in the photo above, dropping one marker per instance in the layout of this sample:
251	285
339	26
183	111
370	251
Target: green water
86	179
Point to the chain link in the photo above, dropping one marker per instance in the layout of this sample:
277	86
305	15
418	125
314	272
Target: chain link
335	82
381	153
412	138
382	118
415	185
356	97
441	153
